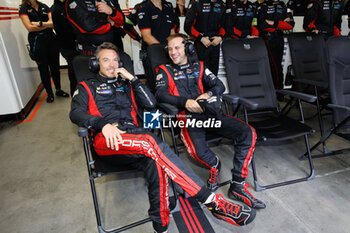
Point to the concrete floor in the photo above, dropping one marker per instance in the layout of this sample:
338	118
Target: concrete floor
44	185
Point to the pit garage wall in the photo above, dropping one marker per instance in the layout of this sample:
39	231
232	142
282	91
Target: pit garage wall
19	75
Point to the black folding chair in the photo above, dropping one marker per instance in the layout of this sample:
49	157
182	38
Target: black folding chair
339	86
249	78
309	61
97	166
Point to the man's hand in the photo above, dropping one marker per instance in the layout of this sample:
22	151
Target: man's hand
123	73
269	22
113	136
216	40
110	21
205	41
315	31
251	37
286	19
104	8
193	106
204	96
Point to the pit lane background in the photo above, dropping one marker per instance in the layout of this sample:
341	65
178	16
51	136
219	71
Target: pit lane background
19	75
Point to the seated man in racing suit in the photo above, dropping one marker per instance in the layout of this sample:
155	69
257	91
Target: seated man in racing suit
184	84
107	104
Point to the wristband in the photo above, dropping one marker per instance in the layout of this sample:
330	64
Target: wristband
40	23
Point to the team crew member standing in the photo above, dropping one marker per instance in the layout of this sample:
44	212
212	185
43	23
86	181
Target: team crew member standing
298	7
36	17
241	20
107	104
204	23
157	21
132	21
65	38
182	84
274	18
324	17
93	21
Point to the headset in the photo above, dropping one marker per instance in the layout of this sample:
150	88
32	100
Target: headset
94	64
189	46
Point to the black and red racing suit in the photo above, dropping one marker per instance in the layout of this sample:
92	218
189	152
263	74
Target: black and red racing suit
325	16
206	18
99	101
282	18
132	20
241	21
92	28
175	85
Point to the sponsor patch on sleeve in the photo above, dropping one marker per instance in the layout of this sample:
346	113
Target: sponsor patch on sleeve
72	5
159	77
76	92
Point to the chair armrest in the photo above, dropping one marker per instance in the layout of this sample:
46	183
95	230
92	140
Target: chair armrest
338	107
306	97
168	108
230	98
82	132
250	104
312	82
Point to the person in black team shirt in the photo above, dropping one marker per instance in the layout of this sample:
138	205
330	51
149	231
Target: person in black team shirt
93	22
241	21
156	20
36	17
65	39
132	21
298	7
274	18
205	23
107	105
324	17
186	84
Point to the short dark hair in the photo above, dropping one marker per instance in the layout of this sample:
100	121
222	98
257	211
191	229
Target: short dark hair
106	45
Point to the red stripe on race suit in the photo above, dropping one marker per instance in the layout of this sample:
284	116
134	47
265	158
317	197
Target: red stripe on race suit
145	144
250	151
133	111
282	25
194	216
92	108
163	196
186	213
185	137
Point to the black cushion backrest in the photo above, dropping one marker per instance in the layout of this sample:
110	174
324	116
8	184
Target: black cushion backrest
81	66
309	56
157	56
248	71
339	73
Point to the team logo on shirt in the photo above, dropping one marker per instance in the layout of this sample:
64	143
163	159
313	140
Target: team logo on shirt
141	14
73	5
159	77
